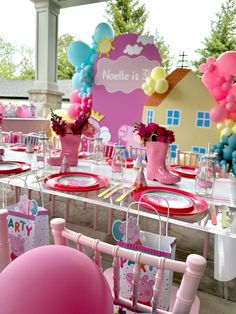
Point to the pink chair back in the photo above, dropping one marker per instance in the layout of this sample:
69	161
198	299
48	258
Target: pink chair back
108	150
4	240
135	151
192	271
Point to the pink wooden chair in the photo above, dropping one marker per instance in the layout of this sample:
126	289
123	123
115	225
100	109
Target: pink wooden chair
183	298
135	151
108	149
4	240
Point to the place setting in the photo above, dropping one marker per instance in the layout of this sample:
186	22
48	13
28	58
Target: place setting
13	167
76	181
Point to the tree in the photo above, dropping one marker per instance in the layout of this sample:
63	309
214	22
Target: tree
126	16
25	66
164	50
65	68
222	36
7	65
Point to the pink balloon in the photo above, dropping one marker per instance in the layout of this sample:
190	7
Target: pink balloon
54	279
232	116
209	79
218	113
226	63
74	97
231	106
233	90
218	93
74	110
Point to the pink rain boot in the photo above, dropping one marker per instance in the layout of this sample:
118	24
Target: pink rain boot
69	147
156	167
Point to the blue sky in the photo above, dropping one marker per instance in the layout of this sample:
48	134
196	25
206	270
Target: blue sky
182	23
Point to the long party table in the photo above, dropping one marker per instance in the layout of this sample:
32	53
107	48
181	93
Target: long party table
224	198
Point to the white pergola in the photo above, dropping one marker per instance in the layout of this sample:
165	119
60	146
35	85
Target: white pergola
45	93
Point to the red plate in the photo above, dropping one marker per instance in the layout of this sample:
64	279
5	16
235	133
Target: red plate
76	181
21	148
185	171
10	167
173	196
84	154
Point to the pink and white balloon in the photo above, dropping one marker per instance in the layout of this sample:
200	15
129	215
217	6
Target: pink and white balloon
218	77
82	106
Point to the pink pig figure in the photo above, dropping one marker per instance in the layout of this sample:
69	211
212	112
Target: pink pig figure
133	231
17	246
145	288
125	133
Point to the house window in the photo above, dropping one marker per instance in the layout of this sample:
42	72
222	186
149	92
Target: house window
172	150
150	114
173	117
198	149
203	119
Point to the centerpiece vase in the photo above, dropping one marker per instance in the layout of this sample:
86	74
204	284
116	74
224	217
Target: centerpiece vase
156	166
70	147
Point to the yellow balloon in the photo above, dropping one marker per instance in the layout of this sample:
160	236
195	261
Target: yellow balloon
226	131
158	73
161	86
144	86
229	123
150	82
148	92
234	129
220	126
62	113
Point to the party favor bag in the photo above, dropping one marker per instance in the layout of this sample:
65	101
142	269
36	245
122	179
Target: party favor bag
128	234
28	226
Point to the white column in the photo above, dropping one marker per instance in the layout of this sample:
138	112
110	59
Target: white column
46	44
44	93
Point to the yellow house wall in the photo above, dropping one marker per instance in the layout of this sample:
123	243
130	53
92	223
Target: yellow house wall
189	96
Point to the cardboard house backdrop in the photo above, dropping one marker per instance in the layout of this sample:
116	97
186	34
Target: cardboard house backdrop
185	109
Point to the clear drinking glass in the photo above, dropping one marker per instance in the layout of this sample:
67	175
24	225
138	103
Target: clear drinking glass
205	178
43	151
98	151
118	163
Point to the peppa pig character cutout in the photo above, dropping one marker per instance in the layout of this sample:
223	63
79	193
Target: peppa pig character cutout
27	206
17	246
125	133
126	231
145	288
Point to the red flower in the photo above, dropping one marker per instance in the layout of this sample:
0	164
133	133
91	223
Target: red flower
153	132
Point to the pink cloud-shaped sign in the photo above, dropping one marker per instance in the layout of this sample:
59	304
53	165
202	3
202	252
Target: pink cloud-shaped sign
124	74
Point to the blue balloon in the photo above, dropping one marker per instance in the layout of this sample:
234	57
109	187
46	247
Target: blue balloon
212	148
227	153
78	52
76	81
220	145
102	30
232	141
224	139
234	154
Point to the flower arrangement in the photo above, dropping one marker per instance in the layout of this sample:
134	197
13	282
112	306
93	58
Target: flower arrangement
80	126
152	132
